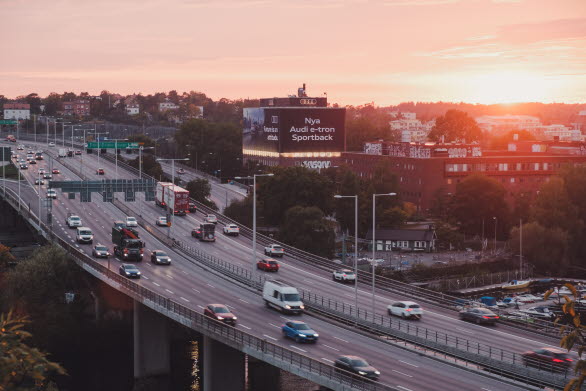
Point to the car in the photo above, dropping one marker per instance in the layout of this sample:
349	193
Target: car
406	309
129	270
159	257
39	182
540	311
192	207
479	315
51	144
299	331
32	161
548	358
14	156
30	152
73	221
274	250
268	265
220	312
231	229
100	171
70	153
23	166
51	194
47	176
56	171
358	366
196	233
211	219
344	275
100	251
181	171
78	152
131	221
20	148
41	171
161	221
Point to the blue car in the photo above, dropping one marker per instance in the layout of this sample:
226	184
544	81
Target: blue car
299	331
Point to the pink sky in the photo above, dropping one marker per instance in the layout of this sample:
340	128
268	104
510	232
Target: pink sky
358	51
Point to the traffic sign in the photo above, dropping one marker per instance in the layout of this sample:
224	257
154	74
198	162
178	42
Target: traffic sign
7	122
113	145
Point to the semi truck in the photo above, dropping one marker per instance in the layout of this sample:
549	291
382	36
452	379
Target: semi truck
127	244
172	197
205	233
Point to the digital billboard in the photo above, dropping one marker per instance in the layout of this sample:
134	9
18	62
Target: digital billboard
295	129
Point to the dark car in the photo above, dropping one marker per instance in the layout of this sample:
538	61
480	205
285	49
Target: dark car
358	366
100	171
268	265
548	359
220	312
479	315
32	161
69	153
299	331
23	166
129	270
192	207
196	233
159	257
100	251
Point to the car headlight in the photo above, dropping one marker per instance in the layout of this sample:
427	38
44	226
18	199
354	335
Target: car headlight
234	318
316	335
288	307
220	318
141	255
125	255
302	335
302	306
127	273
362	373
138	273
376	372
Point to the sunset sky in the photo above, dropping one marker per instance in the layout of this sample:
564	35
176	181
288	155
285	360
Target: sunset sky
358	51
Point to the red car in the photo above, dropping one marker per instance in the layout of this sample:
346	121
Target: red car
100	171
78	152
268	265
220	312
55	171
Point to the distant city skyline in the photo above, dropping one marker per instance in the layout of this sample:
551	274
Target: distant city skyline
358	51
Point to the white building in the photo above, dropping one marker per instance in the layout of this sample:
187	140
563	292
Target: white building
132	109
505	123
167	105
17	111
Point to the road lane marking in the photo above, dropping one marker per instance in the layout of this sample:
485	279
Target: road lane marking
341	339
171	292
274	325
325	359
408	363
404	374
244	301
156	283
196	290
268	336
183	298
295	347
329	347
404	388
169	276
200	306
145	277
485	389
210	285
246	327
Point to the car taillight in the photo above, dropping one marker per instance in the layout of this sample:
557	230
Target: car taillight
557	360
408	309
487	317
141	250
569	359
125	251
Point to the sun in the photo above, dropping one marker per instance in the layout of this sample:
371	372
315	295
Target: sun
509	87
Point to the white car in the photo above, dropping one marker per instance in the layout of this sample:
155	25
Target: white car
51	194
344	275
39	182
274	250
231	229
73	221
406	309
211	219
161	221
132	222
51	144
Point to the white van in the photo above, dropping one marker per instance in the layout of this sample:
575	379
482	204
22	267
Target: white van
84	235
283	297
62	152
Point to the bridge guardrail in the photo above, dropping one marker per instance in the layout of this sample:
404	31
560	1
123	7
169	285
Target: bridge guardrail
255	346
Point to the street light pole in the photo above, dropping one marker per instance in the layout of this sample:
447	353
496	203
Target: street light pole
374	245
39	199
495	223
355	249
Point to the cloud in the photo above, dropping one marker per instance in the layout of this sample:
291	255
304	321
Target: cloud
391	3
542	31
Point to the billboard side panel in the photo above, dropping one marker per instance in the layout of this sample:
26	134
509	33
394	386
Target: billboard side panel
259	132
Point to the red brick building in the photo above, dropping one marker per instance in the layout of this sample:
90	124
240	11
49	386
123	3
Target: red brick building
78	108
423	169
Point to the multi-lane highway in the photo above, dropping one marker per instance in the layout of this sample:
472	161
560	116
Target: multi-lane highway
185	281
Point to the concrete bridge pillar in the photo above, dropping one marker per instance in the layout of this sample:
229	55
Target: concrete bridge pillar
151	345
223	367
263	376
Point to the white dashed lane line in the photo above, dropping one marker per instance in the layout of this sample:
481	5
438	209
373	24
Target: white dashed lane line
327	360
200	306
274	325
246	327
183	298
210	285
244	301
408	363
171	292
145	277
268	336
329	347
401	373
295	347
196	290
341	339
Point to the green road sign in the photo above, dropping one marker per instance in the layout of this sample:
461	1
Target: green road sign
7	122
112	145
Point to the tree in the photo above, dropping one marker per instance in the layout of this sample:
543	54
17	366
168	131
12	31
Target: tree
479	197
141	138
6	258
241	211
306	228
455	125
150	166
200	190
22	367
553	207
392	218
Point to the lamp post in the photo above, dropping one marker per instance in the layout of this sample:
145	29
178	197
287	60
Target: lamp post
116	154
169	223
495	223
39	178
355	247
140	148
374	243
253	215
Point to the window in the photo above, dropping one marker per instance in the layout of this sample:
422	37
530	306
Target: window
512	180
449	180
545	166
275	119
536	166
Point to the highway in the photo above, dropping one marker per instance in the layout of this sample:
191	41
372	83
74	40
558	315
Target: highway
184	281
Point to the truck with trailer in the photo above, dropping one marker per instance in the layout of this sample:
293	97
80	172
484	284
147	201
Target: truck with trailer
127	244
172	197
205	233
